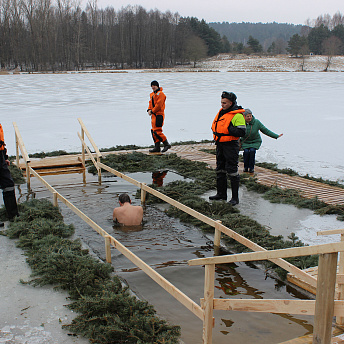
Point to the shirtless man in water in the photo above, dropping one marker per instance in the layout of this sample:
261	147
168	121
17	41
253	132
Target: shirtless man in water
127	214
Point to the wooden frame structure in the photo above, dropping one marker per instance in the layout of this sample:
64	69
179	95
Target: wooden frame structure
323	308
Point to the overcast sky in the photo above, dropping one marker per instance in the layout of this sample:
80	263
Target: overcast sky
281	11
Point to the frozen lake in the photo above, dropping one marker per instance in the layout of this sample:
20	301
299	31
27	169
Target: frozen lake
306	107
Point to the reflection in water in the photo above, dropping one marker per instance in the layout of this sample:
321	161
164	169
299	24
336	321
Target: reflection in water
232	283
158	177
230	280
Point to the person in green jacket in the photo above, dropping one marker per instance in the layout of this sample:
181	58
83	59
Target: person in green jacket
251	142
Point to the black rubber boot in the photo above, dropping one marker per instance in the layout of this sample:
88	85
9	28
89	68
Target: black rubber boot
156	149
10	204
235	190
166	146
221	186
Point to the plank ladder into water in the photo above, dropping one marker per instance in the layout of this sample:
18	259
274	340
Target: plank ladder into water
55	165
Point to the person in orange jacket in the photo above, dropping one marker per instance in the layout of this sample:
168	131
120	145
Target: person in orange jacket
6	181
156	110
228	126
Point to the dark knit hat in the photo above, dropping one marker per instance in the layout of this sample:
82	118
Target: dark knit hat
154	83
229	95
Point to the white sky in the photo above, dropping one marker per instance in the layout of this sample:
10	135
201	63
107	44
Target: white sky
281	11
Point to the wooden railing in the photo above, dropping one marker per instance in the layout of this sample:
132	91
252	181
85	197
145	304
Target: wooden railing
323	308
84	148
340	272
110	240
208	303
21	147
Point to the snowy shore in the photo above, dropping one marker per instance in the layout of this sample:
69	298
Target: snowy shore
235	63
280	63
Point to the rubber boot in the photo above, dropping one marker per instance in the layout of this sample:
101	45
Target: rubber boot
156	149
10	204
235	190
221	186
166	146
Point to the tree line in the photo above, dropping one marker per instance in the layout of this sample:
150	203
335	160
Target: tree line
52	35
266	33
326	37
41	35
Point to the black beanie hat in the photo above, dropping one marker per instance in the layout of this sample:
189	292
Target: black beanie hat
154	83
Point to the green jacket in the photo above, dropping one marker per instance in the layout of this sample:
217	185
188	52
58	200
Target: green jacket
252	137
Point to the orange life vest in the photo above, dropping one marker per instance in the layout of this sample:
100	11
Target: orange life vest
2	139
220	126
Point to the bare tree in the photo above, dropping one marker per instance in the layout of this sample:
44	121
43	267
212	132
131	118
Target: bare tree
196	49
331	47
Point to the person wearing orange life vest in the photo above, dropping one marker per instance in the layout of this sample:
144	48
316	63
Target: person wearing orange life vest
156	109
6	181
228	126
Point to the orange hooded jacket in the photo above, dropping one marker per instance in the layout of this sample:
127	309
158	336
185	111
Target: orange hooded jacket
157	102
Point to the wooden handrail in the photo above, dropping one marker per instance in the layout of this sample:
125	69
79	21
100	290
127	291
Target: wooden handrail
21	144
331	232
88	151
282	253
299	307
99	155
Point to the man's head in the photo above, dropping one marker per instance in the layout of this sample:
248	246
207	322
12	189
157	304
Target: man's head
124	198
227	99
248	115
154	85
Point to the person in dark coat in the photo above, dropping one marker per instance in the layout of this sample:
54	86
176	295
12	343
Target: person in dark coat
6	181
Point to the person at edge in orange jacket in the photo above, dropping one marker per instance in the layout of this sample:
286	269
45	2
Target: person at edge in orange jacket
228	126
6	181
156	110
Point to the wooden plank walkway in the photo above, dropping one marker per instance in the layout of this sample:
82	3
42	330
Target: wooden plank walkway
309	189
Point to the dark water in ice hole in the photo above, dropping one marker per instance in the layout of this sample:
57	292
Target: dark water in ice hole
166	244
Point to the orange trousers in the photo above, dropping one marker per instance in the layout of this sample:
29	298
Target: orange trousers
157	123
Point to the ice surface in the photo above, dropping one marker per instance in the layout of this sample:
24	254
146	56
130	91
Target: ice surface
306	107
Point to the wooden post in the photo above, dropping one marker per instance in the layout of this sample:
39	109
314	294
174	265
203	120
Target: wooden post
208	306
17	152
340	320
217	238
99	171
143	194
82	147
55	199
324	305
108	249
28	180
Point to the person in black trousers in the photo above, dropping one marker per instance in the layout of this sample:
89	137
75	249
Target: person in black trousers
6	181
